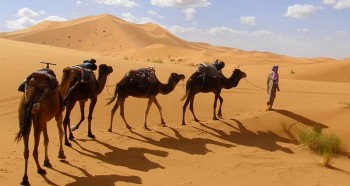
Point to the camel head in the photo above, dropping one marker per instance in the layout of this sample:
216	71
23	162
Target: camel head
177	77
104	69
68	74
238	73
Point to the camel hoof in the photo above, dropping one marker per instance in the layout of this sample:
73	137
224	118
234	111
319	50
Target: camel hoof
41	171
196	120
163	123
25	181
183	123
215	118
68	144
71	137
61	155
146	127
91	136
109	130
75	127
128	126
47	163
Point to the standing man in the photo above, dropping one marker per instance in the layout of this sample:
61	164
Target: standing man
272	86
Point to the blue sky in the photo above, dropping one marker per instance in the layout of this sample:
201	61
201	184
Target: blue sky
308	28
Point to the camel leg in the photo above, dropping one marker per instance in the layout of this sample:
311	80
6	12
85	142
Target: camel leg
221	101
82	115
191	108
184	110
37	131
114	109
214	106
122	113
91	111
46	145
66	123
160	111
26	156
150	101
59	122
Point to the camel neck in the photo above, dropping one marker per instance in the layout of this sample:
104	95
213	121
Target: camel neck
167	88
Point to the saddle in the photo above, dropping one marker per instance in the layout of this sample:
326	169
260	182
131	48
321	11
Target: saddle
142	76
83	74
208	70
42	79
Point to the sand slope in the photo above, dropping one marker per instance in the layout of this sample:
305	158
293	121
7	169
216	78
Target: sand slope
248	146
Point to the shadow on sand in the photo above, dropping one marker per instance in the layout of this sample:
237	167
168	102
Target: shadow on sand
194	146
133	158
88	179
243	136
301	119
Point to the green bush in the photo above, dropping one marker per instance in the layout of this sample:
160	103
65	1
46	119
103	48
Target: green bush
326	145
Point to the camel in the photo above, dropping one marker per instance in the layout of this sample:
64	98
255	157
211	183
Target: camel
194	85
39	104
81	93
125	89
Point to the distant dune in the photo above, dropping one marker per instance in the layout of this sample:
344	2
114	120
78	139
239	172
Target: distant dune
247	146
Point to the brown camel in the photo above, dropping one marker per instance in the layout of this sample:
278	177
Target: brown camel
126	88
39	104
81	93
195	85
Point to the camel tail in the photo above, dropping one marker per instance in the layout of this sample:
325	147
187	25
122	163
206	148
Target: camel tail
114	96
25	121
188	84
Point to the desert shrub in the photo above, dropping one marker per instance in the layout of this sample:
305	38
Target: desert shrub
126	58
157	60
326	145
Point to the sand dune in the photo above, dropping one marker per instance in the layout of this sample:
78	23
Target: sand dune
248	146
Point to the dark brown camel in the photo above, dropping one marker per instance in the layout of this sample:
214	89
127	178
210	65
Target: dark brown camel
125	89
194	86
39	105
81	93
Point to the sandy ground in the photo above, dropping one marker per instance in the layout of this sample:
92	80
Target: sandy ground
248	146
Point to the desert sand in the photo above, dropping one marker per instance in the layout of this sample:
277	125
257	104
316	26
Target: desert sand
247	146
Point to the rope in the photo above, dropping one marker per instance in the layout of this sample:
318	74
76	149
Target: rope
254	84
107	87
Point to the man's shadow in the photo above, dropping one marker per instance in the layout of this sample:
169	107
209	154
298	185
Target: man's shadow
88	179
301	119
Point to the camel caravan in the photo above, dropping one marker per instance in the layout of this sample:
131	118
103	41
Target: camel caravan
45	98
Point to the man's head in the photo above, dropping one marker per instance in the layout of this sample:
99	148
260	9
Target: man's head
275	68
93	60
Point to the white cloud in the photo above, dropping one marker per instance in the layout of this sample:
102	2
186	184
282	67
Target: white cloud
337	4
341	33
181	3
329	2
302	30
225	31
78	2
248	20
189	12
153	13
53	18
27	17
301	11
124	3
133	19
27	12
260	33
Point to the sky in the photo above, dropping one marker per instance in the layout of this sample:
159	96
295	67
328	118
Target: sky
298	28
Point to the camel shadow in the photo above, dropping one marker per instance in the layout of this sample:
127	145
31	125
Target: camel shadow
243	136
301	119
133	158
193	146
88	179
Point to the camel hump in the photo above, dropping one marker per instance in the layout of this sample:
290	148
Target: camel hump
41	79
142	76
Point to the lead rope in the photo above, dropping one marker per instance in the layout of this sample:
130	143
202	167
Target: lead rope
254	84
